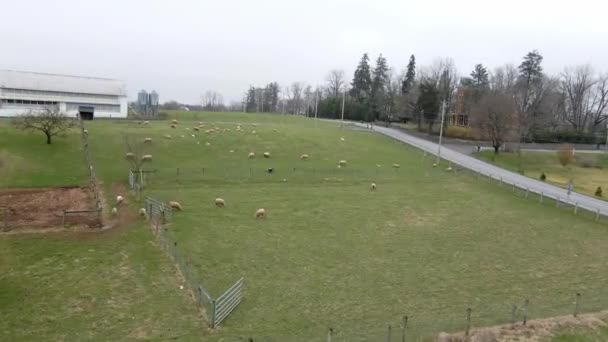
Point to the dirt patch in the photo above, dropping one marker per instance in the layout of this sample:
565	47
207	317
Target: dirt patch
43	208
535	331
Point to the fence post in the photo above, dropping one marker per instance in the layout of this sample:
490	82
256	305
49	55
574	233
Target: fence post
577	304
527	191
212	313
388	333
330	333
468	321
513	187
526	311
597	214
513	313
403	328
575	207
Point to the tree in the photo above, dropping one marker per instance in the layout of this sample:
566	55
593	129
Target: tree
529	91
335	82
296	93
378	88
479	81
48	120
493	117
428	104
585	98
212	100
362	80
565	154
272	97
410	76
250	100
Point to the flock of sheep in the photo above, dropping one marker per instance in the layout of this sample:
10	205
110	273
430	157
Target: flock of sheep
219	202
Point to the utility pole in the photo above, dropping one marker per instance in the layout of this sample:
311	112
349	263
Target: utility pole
440	133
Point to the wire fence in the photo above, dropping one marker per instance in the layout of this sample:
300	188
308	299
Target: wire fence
215	310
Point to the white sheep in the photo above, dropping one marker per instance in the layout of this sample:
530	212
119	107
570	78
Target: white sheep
86	131
251	155
142	212
196	129
231	151
168	136
266	154
146	122
114	211
341	138
174	122
119	199
146	158
207	144
260	213
396	166
200	123
148	140
304	156
342	163
129	156
253	132
187	129
219	202
372	186
175	205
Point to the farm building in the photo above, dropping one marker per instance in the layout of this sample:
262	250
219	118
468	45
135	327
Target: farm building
90	97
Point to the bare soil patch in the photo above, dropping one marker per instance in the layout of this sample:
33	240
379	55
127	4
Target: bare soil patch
42	208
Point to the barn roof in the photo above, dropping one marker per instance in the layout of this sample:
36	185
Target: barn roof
61	83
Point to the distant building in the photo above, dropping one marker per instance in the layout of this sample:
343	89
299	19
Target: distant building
147	103
458	114
91	97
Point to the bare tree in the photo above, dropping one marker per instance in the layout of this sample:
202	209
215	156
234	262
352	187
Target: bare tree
212	100
493	116
503	78
48	120
335	82
296	96
586	97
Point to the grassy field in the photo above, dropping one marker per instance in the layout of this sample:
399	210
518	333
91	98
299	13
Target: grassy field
588	171
332	253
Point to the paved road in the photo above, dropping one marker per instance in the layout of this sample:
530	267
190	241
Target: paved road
497	173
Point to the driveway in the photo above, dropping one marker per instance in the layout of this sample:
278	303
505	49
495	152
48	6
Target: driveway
486	169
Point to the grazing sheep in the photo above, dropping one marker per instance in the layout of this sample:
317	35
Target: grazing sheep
187	129
146	122
86	131
266	154
174	122
396	166
269	170
196	129
200	123
167	136
378	165
342	163
260	213
146	158
219	202
304	156
231	151
119	199
372	186
194	136
142	212
148	140
207	144
175	205
130	156
173	126
114	211
251	155
342	138
253	132
216	128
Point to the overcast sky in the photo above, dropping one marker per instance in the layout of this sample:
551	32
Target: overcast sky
182	48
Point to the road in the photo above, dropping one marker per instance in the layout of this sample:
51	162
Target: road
523	182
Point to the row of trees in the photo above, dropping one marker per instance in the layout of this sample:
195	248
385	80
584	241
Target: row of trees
506	104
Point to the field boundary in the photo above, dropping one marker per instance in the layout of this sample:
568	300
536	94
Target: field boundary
214	310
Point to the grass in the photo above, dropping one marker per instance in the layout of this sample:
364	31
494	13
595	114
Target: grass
332	253
585	179
599	334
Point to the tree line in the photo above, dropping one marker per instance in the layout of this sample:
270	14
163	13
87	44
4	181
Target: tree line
508	103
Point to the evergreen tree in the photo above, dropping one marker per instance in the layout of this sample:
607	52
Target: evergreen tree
250	104
410	76
362	80
378	89
529	82
479	81
428	104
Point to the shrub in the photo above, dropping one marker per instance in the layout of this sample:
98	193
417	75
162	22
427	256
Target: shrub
458	132
565	154
598	191
586	161
543	177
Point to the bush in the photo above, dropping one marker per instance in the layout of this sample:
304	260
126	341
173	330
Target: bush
598	191
458	132
567	136
565	154
543	177
586	161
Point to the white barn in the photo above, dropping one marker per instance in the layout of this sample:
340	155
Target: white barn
91	97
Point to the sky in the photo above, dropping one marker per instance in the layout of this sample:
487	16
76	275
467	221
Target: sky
183	48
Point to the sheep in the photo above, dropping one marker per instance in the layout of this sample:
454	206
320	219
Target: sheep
260	213
175	205
270	170
142	212
372	186
251	155
173	126
216	128
119	199
129	156
174	122
182	136
114	211
194	136
266	154
146	122
342	163
146	158
396	166
304	156
378	165
253	132
231	151
187	129
196	129
168	136
148	140
219	202
207	144
86	131
200	123
341	138
254	124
